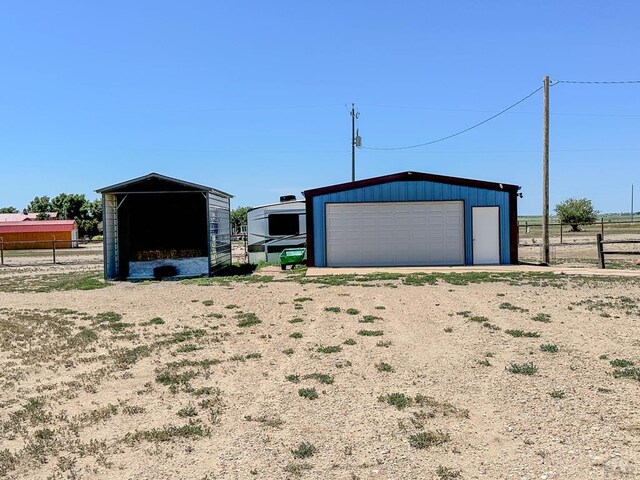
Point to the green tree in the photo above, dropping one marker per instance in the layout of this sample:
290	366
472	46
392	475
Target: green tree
10	209
40	205
575	212
239	217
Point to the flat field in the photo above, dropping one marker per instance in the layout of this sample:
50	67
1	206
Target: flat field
274	375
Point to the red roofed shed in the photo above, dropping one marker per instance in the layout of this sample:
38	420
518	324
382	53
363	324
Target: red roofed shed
38	234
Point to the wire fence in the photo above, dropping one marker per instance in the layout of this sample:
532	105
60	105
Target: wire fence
561	233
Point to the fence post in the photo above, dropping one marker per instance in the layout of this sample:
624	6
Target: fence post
526	227
53	242
560	232
602	226
600	252
1	251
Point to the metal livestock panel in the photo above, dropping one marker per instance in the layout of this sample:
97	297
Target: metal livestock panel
110	232
219	232
412	191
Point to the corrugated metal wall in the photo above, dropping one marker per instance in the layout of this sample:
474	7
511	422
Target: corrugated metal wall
219	232
110	235
40	239
417	191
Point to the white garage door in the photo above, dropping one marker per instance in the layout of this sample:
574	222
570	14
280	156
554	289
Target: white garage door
396	233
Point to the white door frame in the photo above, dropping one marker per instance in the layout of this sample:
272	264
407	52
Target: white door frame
487	253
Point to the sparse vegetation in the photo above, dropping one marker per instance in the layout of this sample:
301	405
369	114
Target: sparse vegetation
549	348
384	367
304	450
523	368
424	440
508	306
330	349
308	393
522	333
542	317
370	333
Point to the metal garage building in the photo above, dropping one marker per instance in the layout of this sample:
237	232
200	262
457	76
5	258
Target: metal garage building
160	226
412	218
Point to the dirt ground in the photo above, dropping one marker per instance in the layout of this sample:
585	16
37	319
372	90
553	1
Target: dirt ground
474	376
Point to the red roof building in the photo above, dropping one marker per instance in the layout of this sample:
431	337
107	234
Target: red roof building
38	234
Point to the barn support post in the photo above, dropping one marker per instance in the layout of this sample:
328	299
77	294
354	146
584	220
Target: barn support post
53	243
600	252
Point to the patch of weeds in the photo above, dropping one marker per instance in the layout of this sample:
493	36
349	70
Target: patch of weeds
523	368
621	363
384	343
189	347
7	461
448	329
323	378
604	357
353	311
478	319
514	308
488	355
332	309
522	333
447	473
207	303
330	349
549	348
380	307
297	468
484	363
168	433
370	333
464	313
295	335
369	319
247	319
269	421
133	409
126	357
296	320
186	334
542	317
188	411
288	351
231	306
293	378
398	400
557	393
349	341
308	393
604	390
153	321
633	373
304	450
215	315
254	356
384	367
491	326
424	440
302	299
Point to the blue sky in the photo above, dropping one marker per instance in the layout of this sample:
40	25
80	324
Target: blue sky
253	97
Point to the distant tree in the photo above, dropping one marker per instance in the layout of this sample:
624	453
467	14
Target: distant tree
43	216
8	210
239	217
576	212
39	205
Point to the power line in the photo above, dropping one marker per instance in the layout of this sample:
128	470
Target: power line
596	83
461	131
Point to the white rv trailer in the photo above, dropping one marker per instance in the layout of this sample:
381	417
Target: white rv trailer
272	228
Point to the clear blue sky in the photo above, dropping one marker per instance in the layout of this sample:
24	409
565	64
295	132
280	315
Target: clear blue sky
252	97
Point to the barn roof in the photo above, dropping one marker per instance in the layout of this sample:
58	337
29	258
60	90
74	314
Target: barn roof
21	217
38	226
157	183
411	176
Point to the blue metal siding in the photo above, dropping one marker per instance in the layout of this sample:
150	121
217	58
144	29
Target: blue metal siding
417	191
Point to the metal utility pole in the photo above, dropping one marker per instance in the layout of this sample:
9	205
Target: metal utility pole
632	203
545	173
355	141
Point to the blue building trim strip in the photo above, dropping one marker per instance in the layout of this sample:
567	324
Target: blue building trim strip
413	191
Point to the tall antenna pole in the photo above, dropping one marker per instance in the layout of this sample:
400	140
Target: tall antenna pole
632	203
545	173
353	142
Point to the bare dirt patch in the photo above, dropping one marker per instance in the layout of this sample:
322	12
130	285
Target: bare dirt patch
203	379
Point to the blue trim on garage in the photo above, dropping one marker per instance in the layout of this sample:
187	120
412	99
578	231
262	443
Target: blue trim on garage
417	191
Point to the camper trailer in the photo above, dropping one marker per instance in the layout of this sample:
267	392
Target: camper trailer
272	228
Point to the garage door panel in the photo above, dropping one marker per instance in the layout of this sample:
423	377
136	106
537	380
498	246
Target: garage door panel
395	233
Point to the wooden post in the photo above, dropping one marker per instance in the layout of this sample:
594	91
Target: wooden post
600	252
1	251
526	227
53	242
545	173
602	226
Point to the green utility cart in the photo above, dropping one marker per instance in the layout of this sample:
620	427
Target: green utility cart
292	256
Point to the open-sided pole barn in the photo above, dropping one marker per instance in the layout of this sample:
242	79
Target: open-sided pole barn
157	226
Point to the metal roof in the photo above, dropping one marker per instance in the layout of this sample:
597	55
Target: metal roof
120	187
21	217
411	176
38	226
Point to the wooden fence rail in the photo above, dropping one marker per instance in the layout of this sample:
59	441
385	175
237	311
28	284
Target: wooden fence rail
601	252
53	243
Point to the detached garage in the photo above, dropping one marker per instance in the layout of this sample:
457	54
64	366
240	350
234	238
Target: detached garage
411	219
157	226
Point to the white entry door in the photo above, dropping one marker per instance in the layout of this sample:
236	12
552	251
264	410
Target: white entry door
395	233
486	235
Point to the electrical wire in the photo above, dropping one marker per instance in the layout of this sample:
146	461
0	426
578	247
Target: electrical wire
601	83
461	131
